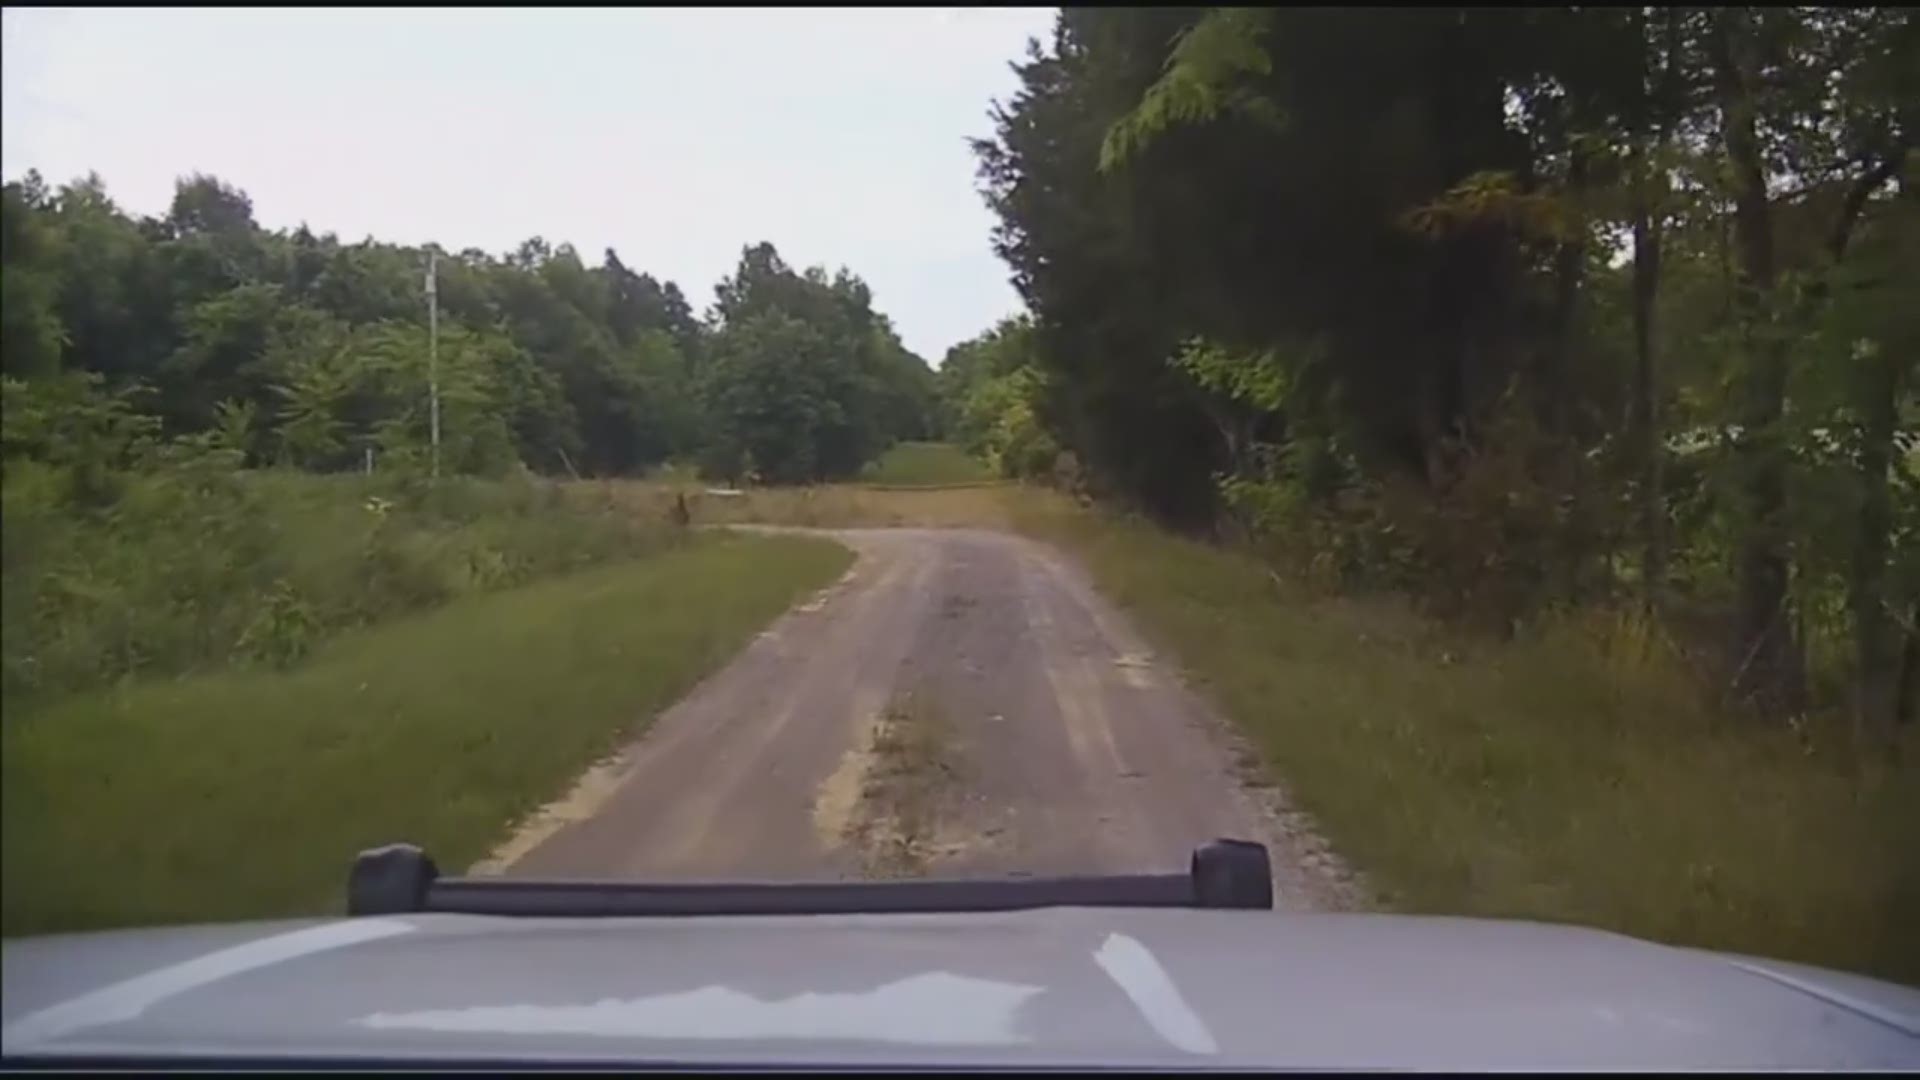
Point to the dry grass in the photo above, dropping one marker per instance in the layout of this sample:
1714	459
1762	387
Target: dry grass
826	506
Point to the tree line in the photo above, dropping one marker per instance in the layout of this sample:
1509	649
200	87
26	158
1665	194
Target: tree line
1509	308
301	350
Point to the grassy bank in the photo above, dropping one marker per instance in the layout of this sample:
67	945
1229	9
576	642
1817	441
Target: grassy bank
1567	776
204	566
909	464
246	793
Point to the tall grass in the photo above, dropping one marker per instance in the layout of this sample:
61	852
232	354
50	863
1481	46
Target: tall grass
238	794
193	567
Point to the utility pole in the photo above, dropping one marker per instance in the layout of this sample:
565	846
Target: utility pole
433	354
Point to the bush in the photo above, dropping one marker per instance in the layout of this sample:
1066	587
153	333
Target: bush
1512	526
193	563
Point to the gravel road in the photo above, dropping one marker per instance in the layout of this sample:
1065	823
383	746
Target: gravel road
961	703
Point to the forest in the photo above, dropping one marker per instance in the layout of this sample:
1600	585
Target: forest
1512	311
219	439
305	351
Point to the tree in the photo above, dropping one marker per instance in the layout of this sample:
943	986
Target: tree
586	367
817	336
1547	281
990	389
205	205
637	303
117	295
1260	170
31	336
995	402
768	394
226	338
1766	668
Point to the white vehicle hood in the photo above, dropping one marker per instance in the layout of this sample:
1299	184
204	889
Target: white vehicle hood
1056	987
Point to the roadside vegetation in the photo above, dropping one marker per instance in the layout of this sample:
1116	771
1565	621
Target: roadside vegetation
925	464
1504	312
222	682
303	351
1575	771
255	614
203	567
246	794
1529	401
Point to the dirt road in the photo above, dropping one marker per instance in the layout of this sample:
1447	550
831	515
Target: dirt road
961	703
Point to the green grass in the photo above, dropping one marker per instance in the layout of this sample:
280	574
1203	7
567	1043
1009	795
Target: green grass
242	794
200	568
1563	776
921	464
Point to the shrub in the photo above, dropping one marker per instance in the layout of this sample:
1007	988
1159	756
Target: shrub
192	562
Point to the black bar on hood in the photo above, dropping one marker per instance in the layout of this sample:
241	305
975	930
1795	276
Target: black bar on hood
400	878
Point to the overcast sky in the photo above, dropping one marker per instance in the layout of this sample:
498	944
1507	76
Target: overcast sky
676	137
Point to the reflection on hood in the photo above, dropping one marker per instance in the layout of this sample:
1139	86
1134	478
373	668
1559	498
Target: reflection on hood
933	1009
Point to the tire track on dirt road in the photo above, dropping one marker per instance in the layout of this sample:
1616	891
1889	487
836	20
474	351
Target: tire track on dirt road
1068	748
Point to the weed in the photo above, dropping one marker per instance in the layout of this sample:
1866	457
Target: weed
284	630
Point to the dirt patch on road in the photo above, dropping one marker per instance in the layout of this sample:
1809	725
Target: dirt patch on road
839	797
908	773
891	798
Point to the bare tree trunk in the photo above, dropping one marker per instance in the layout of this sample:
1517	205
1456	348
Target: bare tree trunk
1884	650
1663	105
1876	633
1569	268
1906	703
1645	403
1765	652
